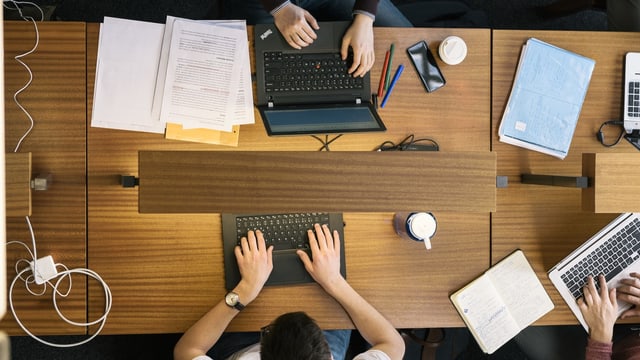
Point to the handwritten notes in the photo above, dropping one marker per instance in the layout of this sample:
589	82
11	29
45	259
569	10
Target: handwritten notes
502	302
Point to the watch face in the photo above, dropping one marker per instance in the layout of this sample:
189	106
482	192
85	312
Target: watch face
231	299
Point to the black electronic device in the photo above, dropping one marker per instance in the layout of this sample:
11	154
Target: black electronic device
426	66
287	233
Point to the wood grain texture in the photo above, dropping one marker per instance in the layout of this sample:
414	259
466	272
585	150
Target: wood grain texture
615	182
310	181
548	222
57	101
18	167
165	271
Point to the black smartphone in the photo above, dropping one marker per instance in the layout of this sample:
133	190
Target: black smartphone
426	65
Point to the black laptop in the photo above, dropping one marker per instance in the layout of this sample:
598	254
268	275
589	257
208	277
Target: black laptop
309	91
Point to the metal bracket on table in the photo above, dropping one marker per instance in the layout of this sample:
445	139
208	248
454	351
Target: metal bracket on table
129	181
580	182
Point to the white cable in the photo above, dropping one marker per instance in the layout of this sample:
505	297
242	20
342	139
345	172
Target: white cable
31	266
17	8
19	57
102	319
30	270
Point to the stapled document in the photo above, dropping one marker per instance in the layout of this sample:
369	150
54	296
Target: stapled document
195	74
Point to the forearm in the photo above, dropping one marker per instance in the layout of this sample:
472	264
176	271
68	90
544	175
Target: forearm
202	335
374	327
598	350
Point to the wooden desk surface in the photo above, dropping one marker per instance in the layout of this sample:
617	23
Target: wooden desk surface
548	222
614	182
312	181
165	271
57	101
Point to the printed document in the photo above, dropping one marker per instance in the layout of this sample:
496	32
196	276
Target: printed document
126	71
192	73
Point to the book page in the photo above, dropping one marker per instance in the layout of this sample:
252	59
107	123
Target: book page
485	314
520	289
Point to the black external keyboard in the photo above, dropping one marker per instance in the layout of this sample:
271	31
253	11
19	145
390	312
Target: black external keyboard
283	231
307	72
613	256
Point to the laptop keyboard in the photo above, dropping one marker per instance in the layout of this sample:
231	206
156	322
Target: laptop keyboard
612	257
283	231
633	104
293	73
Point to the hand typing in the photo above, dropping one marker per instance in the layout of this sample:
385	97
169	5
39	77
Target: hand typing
296	25
599	309
255	262
325	249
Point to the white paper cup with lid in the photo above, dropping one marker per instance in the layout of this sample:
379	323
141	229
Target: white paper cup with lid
452	50
417	226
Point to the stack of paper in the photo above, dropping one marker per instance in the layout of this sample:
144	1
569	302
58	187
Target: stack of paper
191	78
545	102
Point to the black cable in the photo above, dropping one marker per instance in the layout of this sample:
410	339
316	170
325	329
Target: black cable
326	142
410	144
600	133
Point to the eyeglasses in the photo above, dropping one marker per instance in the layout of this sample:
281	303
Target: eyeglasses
265	330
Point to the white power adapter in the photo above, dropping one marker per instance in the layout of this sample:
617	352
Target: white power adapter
45	269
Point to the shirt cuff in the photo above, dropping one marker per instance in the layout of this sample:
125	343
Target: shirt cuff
362	12
279	7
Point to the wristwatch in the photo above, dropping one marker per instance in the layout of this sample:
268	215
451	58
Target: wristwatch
232	301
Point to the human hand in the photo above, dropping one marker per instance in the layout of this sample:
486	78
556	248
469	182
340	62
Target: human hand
630	292
599	309
255	262
359	37
296	25
325	249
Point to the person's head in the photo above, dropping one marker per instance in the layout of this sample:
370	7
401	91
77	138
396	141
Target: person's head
294	336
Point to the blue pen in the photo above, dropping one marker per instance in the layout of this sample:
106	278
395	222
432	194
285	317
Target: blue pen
393	83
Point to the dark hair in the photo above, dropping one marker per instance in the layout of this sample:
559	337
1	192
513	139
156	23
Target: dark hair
294	336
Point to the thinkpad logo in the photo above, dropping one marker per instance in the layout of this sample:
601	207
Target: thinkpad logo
265	34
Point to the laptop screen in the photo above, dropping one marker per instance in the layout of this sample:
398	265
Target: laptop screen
319	119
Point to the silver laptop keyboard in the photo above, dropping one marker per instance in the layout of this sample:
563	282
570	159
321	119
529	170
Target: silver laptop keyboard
609	259
633	96
307	72
283	231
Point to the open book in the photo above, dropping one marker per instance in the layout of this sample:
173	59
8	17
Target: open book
502	302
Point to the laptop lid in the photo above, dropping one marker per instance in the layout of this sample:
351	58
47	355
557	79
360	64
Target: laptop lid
288	269
557	273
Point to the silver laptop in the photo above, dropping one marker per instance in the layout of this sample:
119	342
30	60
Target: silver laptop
631	108
613	252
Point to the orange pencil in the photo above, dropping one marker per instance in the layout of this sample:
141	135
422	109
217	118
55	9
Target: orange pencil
382	76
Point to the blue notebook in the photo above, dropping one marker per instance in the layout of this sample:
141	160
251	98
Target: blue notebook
546	98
